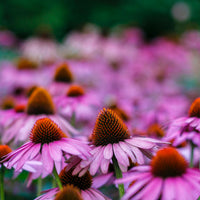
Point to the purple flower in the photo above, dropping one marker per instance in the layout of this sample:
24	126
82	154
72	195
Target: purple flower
61	79
83	183
47	144
39	105
111	138
168	177
79	103
186	128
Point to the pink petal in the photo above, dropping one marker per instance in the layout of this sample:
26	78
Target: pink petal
97	194
95	149
108	152
138	155
168	189
128	151
123	168
19	155
129	177
76	170
100	180
85	195
153	189
24	158
55	151
141	168
136	187
137	142
83	171
181	189
80	146
193	181
47	161
58	166
35	151
120	155
67	148
96	162
104	166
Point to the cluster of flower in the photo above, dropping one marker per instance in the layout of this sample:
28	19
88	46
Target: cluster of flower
99	111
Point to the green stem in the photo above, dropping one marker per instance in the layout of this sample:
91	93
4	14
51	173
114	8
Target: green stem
191	155
118	174
2	195
57	178
73	119
53	183
39	186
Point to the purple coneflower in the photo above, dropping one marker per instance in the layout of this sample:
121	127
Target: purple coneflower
186	128
83	183
39	105
168	177
62	79
111	138
47	144
78	104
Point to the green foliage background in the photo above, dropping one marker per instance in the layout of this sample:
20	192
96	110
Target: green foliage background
153	16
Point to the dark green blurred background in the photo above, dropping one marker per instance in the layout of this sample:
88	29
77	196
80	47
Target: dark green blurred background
154	16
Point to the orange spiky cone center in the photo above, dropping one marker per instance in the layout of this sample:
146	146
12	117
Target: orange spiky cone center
63	74
20	108
195	108
40	102
155	130
8	103
24	63
168	163
69	192
45	131
4	150
75	91
109	129
83	183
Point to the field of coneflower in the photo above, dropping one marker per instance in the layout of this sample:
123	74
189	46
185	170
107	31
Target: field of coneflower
98	117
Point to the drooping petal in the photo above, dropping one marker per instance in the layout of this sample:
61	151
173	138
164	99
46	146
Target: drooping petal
136	187
55	151
108	151
35	151
47	161
138	155
153	189
141	143
96	162
168	189
127	150
104	165
120	155
101	180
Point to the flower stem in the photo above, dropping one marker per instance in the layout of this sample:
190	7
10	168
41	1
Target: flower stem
2	195
53	183
118	174
39	186
73	119
191	155
57	178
